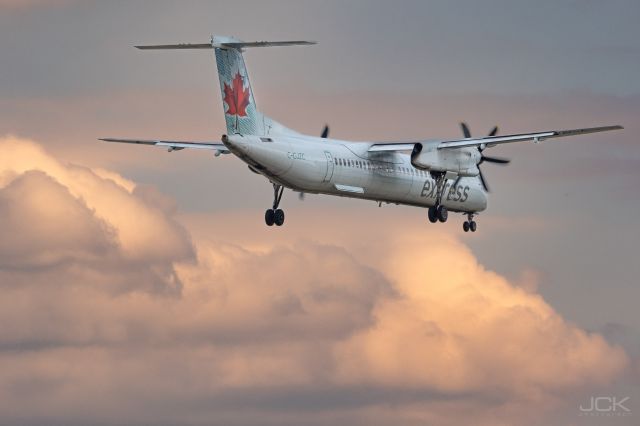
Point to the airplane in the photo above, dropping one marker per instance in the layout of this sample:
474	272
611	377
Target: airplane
440	175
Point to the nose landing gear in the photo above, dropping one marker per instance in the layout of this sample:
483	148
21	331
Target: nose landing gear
469	224
275	216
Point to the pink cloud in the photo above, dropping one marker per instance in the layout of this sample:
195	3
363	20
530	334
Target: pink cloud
112	310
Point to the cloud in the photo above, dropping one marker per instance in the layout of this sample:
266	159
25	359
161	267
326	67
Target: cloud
111	310
489	334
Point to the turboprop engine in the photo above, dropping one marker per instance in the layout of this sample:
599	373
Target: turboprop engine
461	161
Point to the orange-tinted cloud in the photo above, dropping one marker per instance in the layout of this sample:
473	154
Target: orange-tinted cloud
111	312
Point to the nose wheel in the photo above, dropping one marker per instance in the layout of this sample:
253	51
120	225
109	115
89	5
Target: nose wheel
275	216
469	224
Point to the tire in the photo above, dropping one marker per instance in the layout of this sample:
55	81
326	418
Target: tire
279	217
443	214
473	226
269	217
433	217
465	226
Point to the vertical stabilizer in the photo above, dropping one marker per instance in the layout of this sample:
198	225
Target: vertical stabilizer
240	111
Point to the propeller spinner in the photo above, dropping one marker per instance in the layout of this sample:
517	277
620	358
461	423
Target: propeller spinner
496	160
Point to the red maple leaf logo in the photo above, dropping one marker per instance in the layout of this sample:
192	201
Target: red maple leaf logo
236	97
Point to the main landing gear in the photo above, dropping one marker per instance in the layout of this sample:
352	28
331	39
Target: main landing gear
438	212
275	215
469	224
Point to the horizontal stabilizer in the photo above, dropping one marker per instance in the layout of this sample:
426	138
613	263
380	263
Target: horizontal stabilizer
223	42
243	44
176	46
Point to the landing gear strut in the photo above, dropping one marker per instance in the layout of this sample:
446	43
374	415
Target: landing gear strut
275	215
469	224
438	212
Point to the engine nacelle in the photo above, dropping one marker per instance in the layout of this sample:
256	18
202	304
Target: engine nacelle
463	161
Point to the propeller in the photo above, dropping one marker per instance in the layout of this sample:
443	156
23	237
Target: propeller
496	160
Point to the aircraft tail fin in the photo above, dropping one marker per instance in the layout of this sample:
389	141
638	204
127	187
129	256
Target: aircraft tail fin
241	113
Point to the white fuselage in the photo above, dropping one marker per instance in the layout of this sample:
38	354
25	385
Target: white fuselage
347	169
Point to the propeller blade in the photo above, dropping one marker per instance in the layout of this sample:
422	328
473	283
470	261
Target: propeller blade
325	131
484	182
496	160
301	196
493	131
465	130
457	181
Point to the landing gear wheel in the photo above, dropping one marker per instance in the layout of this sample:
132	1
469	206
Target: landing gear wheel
442	213
275	215
279	217
472	226
465	226
433	215
269	217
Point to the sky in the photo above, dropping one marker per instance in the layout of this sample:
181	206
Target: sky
143	287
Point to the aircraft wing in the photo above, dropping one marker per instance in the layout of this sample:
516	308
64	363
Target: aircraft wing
490	141
536	137
175	145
